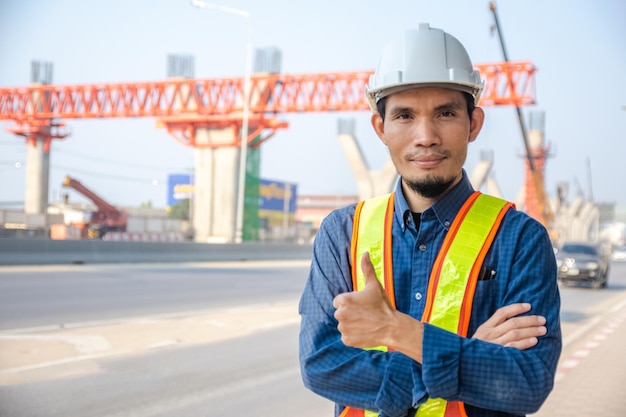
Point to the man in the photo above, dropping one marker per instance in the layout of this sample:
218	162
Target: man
405	312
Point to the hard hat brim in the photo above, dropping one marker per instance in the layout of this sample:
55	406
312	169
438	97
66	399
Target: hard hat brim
374	96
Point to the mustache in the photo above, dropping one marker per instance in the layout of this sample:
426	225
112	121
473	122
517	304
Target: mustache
442	153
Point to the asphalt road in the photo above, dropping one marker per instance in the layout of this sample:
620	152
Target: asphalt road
177	340
51	295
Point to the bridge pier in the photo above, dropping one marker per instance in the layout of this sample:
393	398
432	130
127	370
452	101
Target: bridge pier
215	184
37	176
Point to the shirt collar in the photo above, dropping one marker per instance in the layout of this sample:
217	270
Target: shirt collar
444	209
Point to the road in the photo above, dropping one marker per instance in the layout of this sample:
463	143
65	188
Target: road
50	295
178	340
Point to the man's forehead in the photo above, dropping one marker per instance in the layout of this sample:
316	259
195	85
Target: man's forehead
434	95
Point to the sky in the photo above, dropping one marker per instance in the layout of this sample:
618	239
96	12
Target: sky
578	49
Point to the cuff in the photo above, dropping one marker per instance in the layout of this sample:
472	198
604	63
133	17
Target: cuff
441	362
395	397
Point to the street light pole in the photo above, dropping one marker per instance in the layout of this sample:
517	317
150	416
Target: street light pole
241	187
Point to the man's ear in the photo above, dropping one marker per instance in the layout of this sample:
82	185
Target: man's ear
379	127
476	123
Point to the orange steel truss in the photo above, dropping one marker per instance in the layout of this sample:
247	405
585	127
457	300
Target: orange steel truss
184	105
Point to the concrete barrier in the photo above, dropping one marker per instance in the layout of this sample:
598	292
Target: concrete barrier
49	252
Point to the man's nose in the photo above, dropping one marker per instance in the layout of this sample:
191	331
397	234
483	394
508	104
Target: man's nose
425	133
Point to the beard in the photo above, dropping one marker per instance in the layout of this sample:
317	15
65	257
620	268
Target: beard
430	187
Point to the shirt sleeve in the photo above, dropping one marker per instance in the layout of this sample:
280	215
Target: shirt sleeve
367	379
490	376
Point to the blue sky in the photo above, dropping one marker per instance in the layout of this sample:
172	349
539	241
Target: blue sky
578	48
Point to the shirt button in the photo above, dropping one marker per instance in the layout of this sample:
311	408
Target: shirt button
418	296
446	223
423	248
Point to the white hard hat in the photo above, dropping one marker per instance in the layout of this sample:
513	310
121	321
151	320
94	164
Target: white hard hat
427	57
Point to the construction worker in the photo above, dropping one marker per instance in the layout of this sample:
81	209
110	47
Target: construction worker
435	300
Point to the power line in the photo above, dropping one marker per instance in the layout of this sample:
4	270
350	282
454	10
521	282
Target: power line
117	162
100	175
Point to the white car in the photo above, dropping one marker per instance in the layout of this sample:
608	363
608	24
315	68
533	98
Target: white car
619	254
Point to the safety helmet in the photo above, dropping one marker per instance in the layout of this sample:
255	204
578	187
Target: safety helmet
427	57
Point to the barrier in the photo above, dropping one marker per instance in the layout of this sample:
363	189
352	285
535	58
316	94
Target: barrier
14	251
143	237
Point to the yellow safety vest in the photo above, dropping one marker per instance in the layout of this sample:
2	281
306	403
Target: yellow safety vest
448	304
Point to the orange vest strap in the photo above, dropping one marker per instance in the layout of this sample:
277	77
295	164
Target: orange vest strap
352	412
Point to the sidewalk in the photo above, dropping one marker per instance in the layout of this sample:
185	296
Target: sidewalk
591	381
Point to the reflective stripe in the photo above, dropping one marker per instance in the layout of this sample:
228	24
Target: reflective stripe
453	279
458	263
370	236
455	270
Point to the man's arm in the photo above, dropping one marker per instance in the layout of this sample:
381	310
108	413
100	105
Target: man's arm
492	376
366	318
366	379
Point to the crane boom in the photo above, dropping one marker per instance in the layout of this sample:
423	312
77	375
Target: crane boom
107	218
547	217
102	204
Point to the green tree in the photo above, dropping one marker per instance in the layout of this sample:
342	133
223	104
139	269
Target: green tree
179	210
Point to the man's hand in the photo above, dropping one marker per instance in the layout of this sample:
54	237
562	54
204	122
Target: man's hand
367	319
365	316
507	329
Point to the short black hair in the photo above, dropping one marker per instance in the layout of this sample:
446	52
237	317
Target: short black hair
381	106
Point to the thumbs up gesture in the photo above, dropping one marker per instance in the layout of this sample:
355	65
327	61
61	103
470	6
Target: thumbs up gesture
366	318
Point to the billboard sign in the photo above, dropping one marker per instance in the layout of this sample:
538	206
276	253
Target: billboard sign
179	187
277	196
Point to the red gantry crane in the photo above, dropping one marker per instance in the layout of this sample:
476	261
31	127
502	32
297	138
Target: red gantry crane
182	106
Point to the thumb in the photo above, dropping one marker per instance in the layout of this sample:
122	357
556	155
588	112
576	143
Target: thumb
369	272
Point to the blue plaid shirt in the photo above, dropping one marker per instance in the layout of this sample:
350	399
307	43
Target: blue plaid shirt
490	379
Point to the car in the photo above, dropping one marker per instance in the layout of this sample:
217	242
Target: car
583	262
619	253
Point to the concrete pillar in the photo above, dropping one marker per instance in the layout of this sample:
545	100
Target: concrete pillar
369	183
480	175
37	177
215	185
581	224
37	156
493	188
591	225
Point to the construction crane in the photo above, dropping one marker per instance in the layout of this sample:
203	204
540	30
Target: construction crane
546	217
108	218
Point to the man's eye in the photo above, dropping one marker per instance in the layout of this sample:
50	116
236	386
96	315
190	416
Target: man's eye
447	113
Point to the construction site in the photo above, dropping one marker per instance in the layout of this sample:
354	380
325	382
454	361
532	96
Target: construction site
226	122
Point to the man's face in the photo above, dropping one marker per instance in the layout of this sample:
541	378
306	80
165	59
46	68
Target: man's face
427	131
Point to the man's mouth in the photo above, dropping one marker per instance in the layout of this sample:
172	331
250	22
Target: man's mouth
429	160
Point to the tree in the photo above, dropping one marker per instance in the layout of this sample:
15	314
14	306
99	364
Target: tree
179	210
